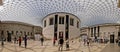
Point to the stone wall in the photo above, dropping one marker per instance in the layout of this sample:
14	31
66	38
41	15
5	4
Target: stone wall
105	30
17	29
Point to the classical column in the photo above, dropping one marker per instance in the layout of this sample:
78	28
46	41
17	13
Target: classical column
94	31
91	32
0	29
2	38
55	27
67	27
98	30
67	31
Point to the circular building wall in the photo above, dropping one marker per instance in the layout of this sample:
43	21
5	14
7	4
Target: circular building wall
61	24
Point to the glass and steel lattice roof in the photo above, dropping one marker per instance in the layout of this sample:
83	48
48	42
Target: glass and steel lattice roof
90	12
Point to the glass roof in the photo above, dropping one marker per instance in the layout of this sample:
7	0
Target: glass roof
90	12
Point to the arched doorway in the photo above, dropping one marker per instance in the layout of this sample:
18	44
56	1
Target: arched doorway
9	36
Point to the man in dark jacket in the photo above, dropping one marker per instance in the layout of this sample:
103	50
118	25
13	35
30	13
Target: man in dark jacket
25	41
61	41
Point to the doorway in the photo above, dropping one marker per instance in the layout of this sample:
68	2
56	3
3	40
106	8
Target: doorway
112	38
61	35
9	36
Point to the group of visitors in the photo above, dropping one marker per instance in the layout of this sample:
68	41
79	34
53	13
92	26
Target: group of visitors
95	39
61	42
87	41
19	40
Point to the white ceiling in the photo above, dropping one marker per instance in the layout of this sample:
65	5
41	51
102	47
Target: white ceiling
90	12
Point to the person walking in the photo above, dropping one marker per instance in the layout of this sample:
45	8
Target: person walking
20	40
61	41
25	41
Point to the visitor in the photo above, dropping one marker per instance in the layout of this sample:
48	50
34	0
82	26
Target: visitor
67	45
25	41
54	41
88	41
61	41
84	40
96	40
2	41
116	40
42	40
20	40
119	42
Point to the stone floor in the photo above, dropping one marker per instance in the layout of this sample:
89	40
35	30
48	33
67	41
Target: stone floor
35	46
111	48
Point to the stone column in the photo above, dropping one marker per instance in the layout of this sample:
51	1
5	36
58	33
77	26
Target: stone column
91	32
98	30
94	31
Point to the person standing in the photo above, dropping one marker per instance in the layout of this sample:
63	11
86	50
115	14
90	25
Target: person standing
2	43
96	39
42	40
119	42
84	40
54	41
61	41
25	41
20	40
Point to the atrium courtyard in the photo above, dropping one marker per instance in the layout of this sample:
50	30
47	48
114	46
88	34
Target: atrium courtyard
59	25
